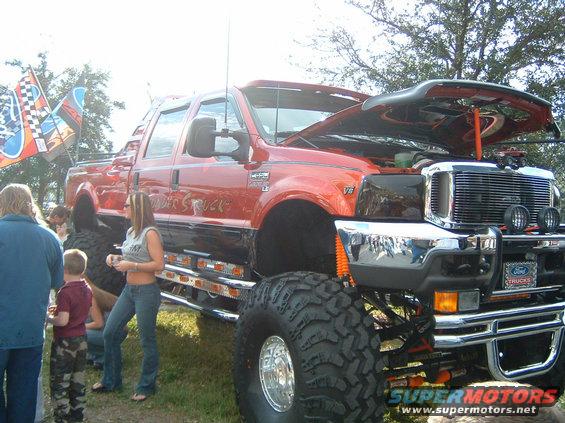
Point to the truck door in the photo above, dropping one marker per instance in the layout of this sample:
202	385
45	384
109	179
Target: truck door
209	210
152	173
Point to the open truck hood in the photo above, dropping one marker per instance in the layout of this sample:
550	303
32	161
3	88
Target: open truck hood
440	112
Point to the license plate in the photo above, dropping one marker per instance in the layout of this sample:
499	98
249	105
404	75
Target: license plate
519	275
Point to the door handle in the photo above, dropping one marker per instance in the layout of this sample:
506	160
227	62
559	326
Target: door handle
175	180
136	181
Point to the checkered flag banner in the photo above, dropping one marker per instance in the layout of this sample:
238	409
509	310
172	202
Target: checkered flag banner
30	111
21	109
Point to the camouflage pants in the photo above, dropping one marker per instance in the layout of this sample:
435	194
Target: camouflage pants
67	378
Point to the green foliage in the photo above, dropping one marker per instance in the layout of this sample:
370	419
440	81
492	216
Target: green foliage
47	179
501	41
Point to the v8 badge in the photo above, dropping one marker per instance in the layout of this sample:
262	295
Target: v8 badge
348	190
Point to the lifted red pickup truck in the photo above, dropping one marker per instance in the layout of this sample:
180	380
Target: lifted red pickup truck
360	242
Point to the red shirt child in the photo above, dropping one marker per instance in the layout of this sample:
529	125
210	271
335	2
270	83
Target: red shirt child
75	298
68	349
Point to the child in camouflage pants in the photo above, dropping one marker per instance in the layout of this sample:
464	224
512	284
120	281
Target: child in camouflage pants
68	350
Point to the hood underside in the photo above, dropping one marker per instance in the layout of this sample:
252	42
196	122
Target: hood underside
440	113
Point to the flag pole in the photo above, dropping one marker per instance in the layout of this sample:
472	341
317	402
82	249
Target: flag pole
82	80
52	116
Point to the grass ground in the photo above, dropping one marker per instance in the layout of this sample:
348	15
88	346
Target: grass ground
195	383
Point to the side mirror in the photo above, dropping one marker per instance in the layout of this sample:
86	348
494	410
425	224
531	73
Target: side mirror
124	160
203	137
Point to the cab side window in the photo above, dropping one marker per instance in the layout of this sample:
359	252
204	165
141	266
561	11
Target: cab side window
165	134
216	109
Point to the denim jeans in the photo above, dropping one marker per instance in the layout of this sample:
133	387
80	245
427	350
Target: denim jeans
142	301
21	367
95	341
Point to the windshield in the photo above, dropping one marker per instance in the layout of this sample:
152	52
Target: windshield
297	109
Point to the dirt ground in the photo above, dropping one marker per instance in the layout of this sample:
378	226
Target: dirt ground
110	409
121	414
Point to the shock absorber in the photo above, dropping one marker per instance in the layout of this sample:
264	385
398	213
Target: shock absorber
342	263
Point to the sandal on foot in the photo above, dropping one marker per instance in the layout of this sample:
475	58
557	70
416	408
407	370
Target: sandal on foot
138	397
99	388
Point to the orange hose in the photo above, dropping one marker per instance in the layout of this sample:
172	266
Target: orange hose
478	145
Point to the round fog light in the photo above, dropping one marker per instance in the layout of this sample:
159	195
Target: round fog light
548	219
516	218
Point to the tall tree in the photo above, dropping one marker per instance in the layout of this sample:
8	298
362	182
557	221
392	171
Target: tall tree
48	178
501	41
513	42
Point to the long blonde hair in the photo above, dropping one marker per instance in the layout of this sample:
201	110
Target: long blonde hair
141	212
17	199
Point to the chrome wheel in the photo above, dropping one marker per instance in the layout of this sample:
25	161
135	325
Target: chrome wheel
276	373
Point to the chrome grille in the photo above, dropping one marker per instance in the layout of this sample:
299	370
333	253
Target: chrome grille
434	194
484	197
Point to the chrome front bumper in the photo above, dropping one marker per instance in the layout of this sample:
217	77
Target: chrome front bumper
406	245
486	328
399	255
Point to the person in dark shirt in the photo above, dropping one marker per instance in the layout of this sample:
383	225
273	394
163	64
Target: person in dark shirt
31	263
68	349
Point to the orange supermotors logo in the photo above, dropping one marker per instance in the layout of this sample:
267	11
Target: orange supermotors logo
473	400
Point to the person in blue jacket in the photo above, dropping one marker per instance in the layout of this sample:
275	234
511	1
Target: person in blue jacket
31	264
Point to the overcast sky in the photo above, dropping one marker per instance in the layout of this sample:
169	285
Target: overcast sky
178	47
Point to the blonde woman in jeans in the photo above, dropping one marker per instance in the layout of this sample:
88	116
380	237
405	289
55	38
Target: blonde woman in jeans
142	257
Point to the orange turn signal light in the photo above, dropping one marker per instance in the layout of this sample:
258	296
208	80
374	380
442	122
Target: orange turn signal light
446	301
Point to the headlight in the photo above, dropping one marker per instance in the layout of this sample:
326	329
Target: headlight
394	197
548	219
516	218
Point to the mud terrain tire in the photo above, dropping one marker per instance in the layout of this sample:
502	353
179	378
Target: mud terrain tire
332	344
97	247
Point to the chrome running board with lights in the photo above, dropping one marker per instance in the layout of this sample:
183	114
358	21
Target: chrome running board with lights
213	277
208	281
